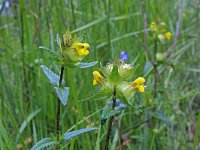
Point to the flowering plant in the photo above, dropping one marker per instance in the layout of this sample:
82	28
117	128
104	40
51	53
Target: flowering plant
113	79
160	32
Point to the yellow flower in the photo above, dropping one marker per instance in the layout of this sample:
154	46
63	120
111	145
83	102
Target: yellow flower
138	84
98	78
168	35
153	25
82	49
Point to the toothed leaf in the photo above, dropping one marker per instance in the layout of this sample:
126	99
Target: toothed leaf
63	94
53	78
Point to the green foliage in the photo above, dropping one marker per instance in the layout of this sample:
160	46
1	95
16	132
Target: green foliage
44	144
87	65
108	112
69	135
26	122
53	54
53	78
114	75
63	93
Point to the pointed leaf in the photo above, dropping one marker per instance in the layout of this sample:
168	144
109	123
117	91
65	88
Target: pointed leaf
58	40
87	65
72	134
53	54
62	93
44	143
114	75
147	67
53	78
125	101
108	112
26	122
105	113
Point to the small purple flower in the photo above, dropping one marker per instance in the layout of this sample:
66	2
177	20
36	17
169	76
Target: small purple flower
124	56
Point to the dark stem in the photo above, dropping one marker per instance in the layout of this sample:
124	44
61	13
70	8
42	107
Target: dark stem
111	120
58	111
155	69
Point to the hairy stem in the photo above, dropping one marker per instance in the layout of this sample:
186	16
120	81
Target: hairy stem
111	120
58	111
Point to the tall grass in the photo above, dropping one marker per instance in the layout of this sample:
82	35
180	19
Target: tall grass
27	101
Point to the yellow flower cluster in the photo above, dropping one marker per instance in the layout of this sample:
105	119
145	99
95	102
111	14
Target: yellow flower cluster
160	31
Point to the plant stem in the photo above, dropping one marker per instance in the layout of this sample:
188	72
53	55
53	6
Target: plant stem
58	111
155	69
111	120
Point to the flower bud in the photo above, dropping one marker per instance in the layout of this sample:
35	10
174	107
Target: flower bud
153	26
155	131
168	35
67	39
125	71
108	69
161	37
159	56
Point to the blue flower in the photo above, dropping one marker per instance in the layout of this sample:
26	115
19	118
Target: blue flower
124	56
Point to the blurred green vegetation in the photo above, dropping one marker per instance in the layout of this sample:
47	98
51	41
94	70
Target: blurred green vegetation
28	102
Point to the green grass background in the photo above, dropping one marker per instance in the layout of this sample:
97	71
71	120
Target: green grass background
28	101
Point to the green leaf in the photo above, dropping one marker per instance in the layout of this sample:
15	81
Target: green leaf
108	112
97	96
105	113
87	65
114	75
125	101
58	40
72	134
53	78
26	122
62	93
44	143
147	67
53	54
